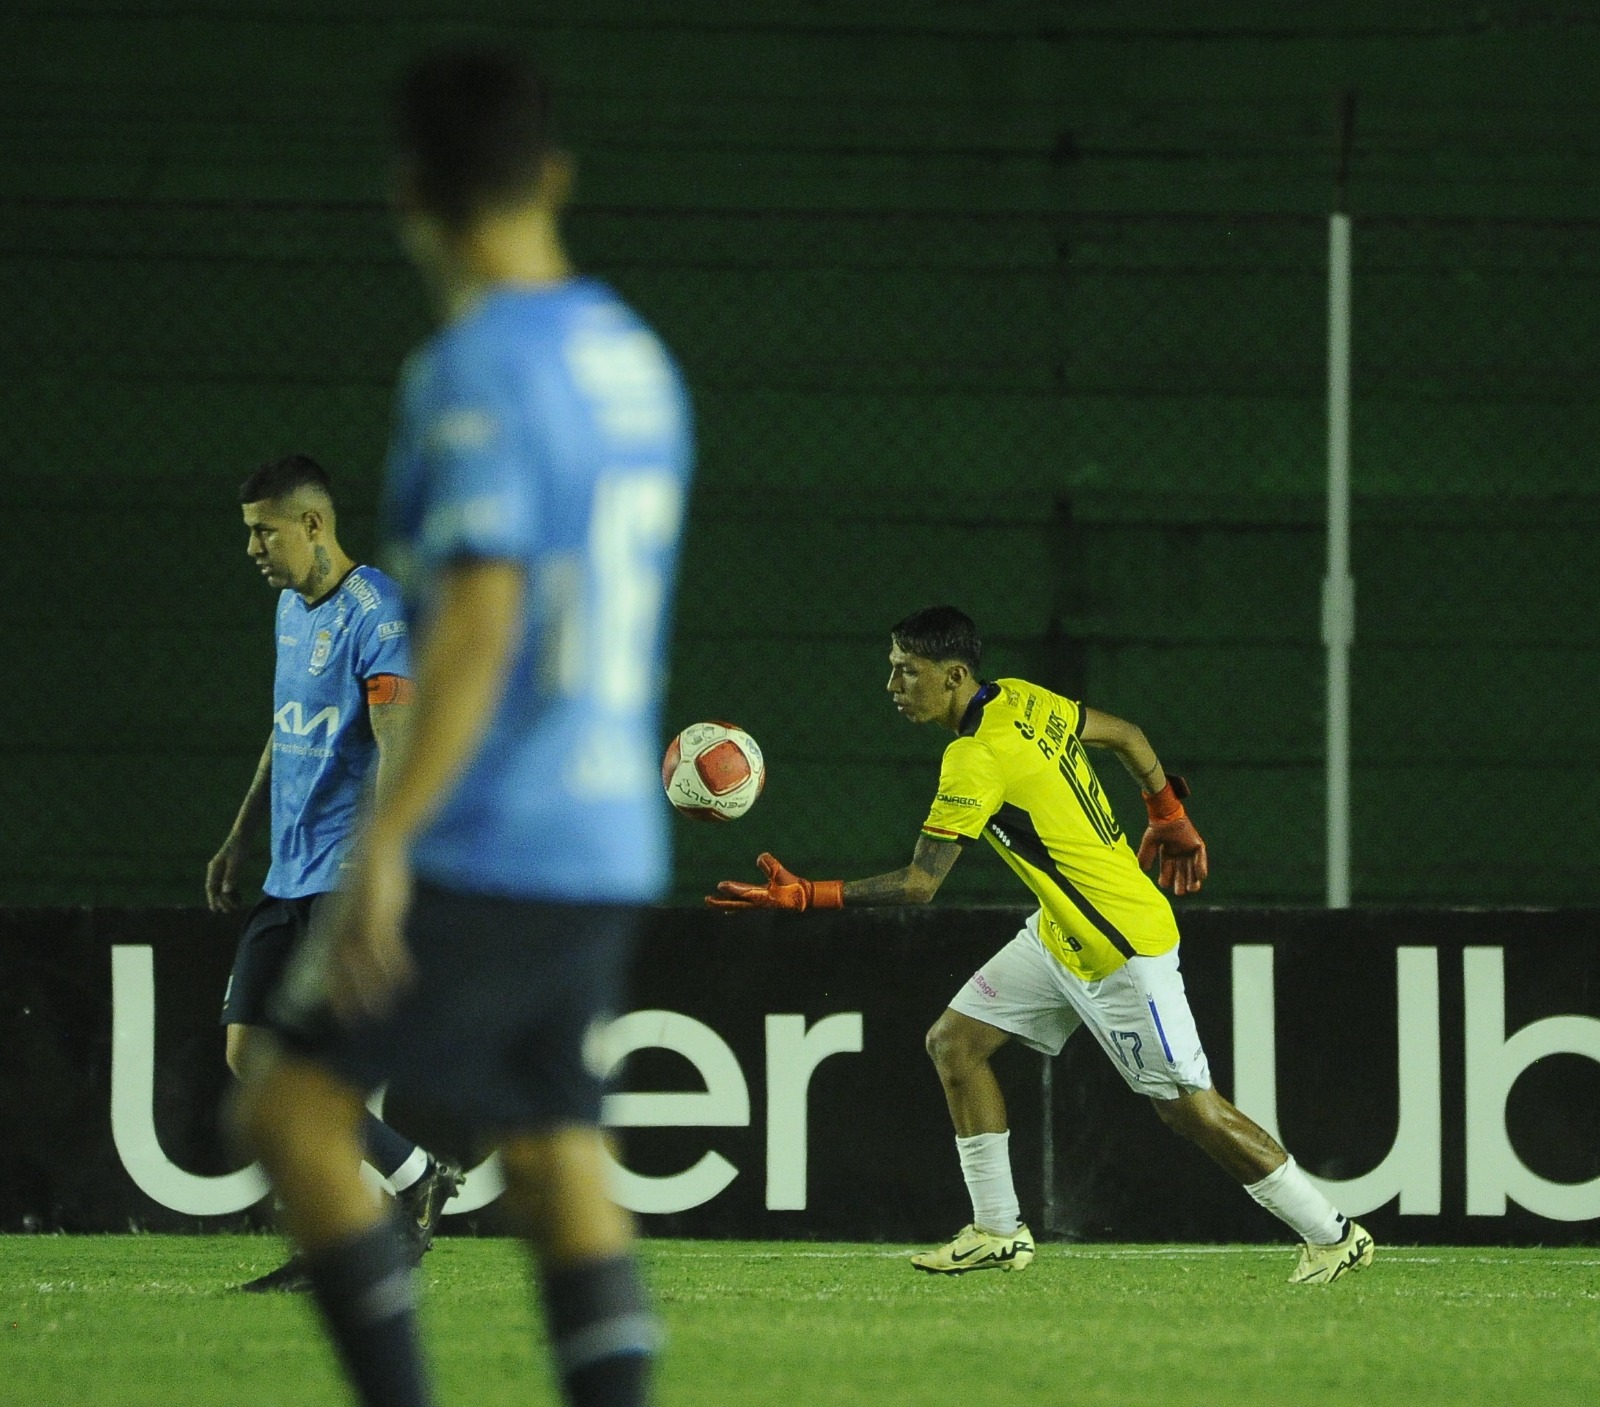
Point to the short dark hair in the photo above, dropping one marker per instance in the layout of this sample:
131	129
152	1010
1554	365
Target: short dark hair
473	127
278	478
940	633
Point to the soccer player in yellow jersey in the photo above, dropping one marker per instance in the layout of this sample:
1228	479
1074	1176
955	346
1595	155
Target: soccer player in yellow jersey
1101	952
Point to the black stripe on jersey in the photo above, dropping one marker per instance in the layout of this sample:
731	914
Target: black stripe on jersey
973	717
1013	828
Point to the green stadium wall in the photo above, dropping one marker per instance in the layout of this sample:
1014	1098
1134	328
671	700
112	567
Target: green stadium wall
1017	306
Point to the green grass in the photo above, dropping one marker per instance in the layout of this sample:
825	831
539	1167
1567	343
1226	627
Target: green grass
133	1320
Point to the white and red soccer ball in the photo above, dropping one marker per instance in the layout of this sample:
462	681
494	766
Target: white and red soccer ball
713	772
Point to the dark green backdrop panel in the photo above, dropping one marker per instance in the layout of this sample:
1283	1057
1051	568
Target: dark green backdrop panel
1020	307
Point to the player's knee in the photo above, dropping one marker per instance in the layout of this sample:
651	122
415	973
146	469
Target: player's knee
548	1173
290	1120
1190	1115
257	1120
1171	1114
949	1049
533	1199
526	1166
556	1195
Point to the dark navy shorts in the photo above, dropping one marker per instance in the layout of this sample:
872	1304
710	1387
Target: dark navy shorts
501	1022
273	929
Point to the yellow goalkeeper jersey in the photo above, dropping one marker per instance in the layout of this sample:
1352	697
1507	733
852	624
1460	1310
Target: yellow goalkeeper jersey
1018	775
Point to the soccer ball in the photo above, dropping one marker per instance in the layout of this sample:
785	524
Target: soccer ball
713	772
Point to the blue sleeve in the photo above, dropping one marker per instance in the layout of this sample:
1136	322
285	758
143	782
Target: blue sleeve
480	498
384	645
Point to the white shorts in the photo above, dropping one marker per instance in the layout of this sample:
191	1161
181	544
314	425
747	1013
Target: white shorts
1139	1014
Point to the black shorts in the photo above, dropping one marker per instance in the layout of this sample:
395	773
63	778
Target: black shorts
497	1024
272	932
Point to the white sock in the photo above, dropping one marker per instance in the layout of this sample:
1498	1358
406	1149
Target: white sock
1287	1193
408	1172
986	1166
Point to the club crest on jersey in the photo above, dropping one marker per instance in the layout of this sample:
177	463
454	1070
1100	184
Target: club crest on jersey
320	650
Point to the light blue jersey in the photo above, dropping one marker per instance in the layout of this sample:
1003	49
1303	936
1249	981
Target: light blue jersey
548	427
323	751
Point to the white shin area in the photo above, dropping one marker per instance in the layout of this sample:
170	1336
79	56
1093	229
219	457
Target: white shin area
1288	1194
986	1167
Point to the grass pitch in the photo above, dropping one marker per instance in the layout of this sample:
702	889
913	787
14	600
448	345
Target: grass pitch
135	1320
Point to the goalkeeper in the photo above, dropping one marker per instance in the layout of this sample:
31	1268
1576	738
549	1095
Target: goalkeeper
1101	951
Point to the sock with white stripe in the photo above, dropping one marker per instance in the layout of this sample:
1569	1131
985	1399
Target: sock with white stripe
363	1287
1287	1193
412	1171
986	1166
389	1152
602	1332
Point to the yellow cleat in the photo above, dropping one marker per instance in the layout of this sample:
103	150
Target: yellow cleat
1322	1265
976	1249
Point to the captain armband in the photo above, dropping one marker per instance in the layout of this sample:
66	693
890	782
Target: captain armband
387	689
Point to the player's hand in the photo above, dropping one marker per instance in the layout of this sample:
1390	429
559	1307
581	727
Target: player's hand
1172	840
782	890
368	963
222	877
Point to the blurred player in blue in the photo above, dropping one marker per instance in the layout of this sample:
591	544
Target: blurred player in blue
339	694
480	941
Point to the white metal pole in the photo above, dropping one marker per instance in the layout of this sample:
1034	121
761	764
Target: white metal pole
1338	589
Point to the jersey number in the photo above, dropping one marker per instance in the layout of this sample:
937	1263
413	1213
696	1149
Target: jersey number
1079	775
1129	1045
634	519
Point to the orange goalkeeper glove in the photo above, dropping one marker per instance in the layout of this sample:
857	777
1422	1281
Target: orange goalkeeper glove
781	891
1172	838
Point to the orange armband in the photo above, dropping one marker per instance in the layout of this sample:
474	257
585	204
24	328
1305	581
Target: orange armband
387	689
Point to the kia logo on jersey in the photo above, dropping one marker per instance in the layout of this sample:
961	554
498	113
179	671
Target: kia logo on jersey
291	719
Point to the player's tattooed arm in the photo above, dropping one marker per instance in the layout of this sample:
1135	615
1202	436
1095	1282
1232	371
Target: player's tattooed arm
1129	743
917	883
389	731
259	792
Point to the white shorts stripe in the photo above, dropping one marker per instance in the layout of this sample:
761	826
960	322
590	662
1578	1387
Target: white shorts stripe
1139	1014
1160	1030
